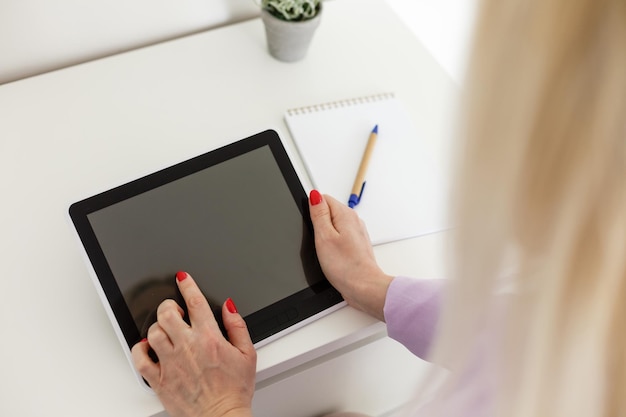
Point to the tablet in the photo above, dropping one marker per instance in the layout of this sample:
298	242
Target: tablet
236	218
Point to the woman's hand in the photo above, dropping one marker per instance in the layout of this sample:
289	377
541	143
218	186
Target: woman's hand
346	256
199	372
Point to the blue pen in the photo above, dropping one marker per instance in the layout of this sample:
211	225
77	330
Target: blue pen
359	182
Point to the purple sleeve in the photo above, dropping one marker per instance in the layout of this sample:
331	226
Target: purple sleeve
412	311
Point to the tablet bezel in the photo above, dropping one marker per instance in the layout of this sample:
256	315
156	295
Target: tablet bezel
266	324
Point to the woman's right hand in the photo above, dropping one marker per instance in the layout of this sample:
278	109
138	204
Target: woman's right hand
346	255
199	372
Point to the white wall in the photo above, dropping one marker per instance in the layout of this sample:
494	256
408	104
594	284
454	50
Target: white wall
39	35
445	27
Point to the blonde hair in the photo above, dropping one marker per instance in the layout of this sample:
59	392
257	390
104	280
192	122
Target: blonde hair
541	186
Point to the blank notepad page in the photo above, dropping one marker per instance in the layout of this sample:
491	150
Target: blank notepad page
406	183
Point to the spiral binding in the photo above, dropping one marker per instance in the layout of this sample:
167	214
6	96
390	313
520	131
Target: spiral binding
338	104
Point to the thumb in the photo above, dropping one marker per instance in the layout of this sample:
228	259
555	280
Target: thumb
236	327
320	214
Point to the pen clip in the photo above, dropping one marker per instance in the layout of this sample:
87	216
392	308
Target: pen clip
355	199
361	193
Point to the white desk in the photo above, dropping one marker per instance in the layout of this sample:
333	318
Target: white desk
68	134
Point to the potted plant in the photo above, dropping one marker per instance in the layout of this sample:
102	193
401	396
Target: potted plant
289	26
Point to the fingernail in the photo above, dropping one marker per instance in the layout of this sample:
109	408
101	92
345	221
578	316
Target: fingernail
315	197
145	339
181	275
230	306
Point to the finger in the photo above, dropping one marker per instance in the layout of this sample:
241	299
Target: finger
170	318
144	364
160	341
236	327
200	313
341	215
320	214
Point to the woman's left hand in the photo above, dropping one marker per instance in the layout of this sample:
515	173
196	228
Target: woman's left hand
199	372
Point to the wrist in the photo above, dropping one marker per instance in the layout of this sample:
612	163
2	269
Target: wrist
371	294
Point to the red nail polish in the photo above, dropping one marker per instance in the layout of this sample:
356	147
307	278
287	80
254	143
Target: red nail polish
230	306
315	197
181	275
144	340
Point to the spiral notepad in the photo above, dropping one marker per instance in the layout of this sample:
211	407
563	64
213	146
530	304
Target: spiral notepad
406	183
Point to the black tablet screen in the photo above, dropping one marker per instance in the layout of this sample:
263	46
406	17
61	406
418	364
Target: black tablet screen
234	226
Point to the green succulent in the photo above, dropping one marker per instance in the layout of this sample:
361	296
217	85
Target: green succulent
292	10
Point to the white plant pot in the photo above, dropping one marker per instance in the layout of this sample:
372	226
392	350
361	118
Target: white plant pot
289	41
